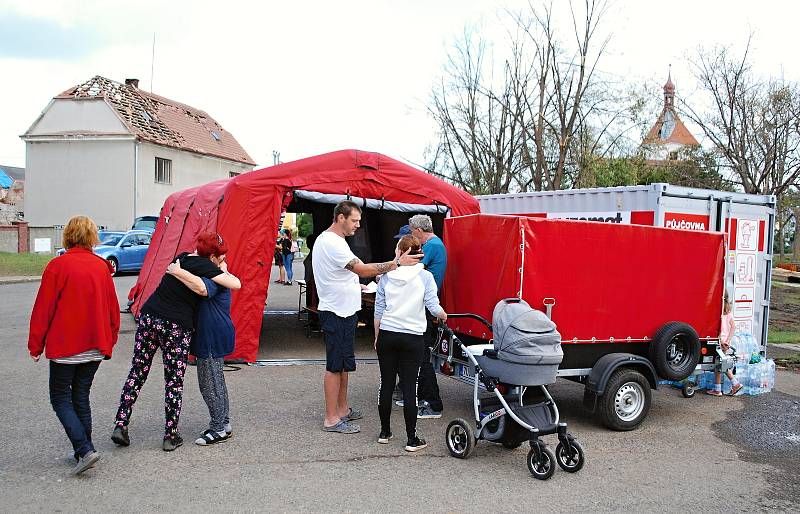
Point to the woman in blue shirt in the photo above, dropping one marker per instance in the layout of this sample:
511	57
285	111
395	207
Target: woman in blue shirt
212	341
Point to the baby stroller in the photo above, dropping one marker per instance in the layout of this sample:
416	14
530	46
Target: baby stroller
526	351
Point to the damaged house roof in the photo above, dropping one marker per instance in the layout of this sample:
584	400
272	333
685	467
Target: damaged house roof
160	120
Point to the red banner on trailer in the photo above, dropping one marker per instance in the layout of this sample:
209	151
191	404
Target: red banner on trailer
610	283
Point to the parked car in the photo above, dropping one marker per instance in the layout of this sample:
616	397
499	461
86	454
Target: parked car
102	235
125	251
147	223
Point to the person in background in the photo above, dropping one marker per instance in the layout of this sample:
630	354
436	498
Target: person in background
166	322
279	259
435	261
213	340
402	297
312	299
336	274
725	335
75	321
288	248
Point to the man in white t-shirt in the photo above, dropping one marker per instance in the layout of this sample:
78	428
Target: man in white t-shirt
336	274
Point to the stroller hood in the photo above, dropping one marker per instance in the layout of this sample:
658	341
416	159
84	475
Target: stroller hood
525	335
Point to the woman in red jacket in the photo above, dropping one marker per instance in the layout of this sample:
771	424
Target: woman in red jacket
75	321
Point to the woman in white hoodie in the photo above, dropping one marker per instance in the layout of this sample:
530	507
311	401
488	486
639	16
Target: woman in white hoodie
400	302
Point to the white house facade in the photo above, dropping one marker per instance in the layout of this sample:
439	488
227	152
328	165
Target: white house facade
113	152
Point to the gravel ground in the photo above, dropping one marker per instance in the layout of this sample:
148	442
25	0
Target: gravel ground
683	457
767	430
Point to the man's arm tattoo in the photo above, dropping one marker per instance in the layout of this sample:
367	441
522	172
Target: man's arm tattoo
383	267
352	264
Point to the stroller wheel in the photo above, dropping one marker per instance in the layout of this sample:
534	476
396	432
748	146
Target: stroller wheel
541	467
460	438
570	458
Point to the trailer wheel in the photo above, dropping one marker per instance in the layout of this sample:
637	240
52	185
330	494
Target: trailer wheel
626	400
675	350
460	438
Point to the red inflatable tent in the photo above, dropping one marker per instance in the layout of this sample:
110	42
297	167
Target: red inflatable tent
246	211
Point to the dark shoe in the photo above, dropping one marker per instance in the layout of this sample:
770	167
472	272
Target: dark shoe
383	437
397	394
86	462
120	436
416	445
425	412
172	443
210	437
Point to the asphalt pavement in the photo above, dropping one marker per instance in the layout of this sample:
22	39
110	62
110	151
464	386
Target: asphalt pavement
696	454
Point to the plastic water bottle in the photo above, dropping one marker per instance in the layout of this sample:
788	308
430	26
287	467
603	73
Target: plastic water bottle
771	374
744	378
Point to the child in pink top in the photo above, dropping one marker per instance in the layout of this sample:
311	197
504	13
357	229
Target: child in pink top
725	336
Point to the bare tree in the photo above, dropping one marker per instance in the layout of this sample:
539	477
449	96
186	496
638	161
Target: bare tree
479	132
752	123
532	127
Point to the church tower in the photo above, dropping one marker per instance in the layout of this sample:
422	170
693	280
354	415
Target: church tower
669	135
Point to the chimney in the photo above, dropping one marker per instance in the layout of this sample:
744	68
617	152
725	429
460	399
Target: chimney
132	82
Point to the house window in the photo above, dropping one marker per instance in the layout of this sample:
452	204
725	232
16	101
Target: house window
232	174
673	156
163	171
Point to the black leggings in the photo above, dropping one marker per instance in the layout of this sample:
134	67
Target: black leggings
399	353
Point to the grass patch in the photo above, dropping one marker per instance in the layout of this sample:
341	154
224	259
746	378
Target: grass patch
792	362
23	264
778	336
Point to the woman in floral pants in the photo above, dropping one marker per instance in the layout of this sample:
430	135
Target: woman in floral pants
152	334
166	322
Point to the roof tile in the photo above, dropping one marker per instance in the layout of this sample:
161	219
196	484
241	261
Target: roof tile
163	121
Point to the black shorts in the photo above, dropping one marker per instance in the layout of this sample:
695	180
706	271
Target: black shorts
339	334
278	258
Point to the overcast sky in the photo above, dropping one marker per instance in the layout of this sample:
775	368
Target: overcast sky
310	77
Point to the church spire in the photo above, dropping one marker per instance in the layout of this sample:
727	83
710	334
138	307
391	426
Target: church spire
669	90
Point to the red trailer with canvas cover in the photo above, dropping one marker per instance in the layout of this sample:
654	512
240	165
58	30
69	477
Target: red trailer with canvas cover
747	219
631	302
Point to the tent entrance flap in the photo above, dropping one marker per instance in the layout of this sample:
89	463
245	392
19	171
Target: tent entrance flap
371	203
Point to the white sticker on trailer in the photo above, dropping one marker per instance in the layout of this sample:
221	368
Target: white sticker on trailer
747	235
743	326
745	269
601	216
743	302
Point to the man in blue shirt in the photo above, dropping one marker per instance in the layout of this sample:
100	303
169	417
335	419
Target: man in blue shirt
435	261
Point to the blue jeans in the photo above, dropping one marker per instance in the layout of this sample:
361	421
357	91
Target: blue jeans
69	396
287	264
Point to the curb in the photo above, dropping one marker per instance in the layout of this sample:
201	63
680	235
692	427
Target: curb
19	280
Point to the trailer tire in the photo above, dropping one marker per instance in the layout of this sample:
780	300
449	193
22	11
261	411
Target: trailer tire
675	350
626	400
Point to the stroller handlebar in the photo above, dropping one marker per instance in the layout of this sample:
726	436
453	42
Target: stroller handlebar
471	316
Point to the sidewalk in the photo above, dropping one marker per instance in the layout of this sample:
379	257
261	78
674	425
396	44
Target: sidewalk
18	280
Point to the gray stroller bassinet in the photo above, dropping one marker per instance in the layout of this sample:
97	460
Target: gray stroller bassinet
526	352
527	346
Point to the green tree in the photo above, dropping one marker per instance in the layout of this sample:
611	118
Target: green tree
305	225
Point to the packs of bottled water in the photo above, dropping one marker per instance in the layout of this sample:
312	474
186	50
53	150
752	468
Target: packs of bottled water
748	350
756	378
